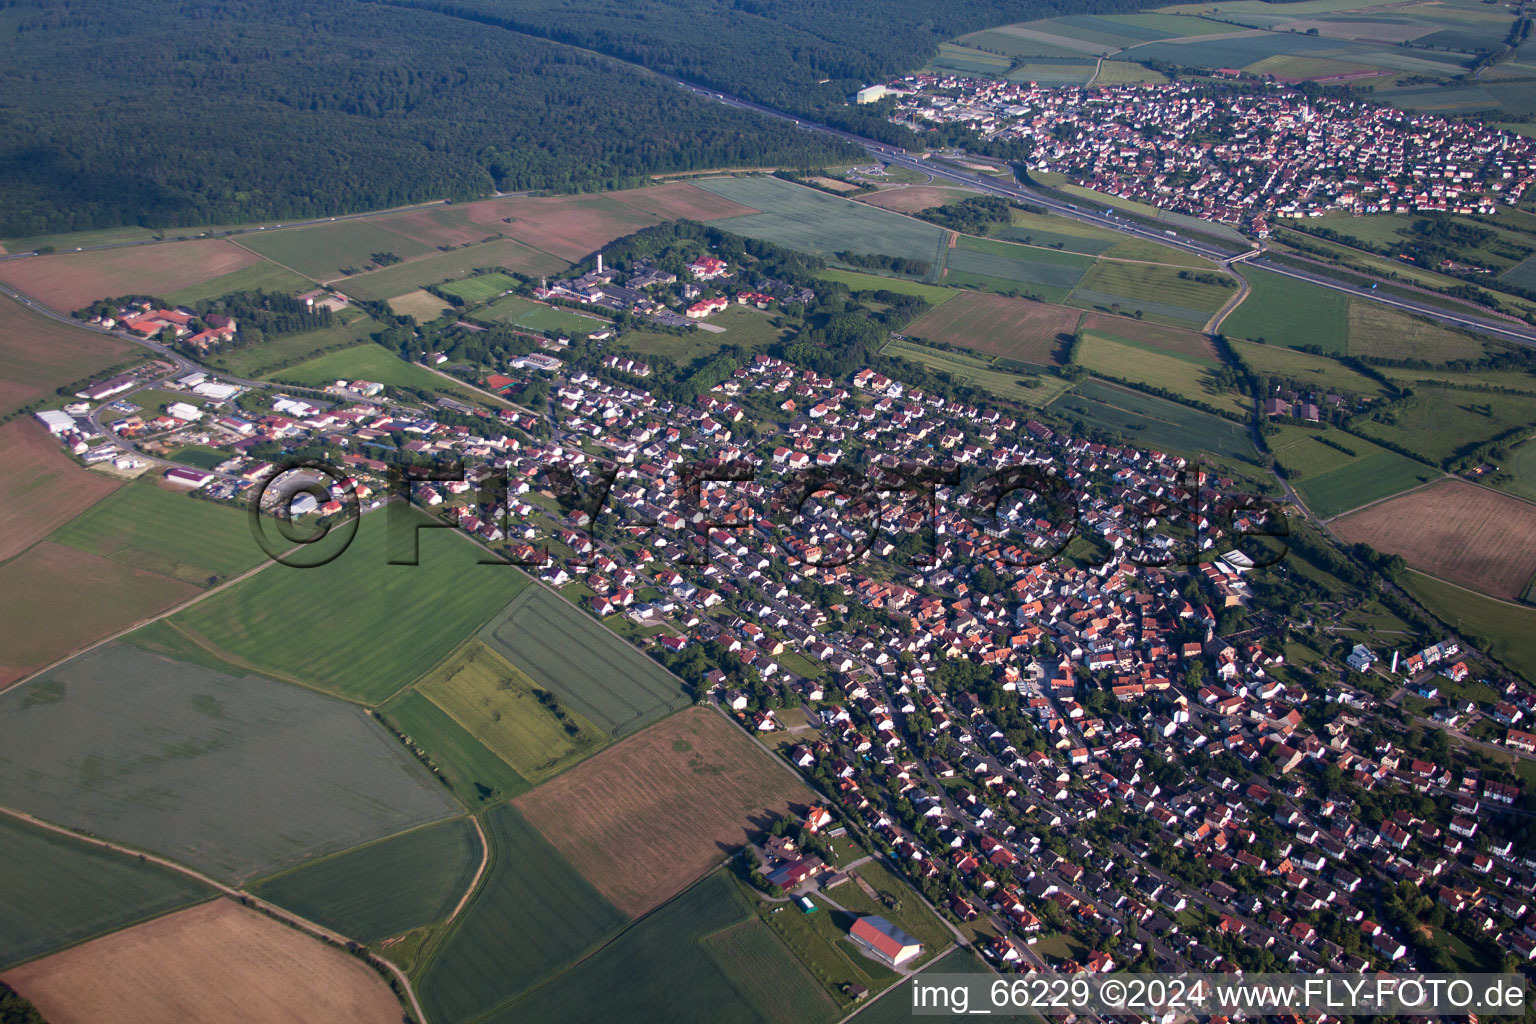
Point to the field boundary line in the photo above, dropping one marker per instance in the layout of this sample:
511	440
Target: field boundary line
239	895
474	883
275	263
1428	483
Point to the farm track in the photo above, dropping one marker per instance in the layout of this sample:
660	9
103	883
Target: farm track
272	910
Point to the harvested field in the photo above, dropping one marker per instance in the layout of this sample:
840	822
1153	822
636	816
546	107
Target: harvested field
1462	533
999	326
502	708
1377	330
646	817
1191	344
422	305
238	776
40	486
439	267
215	962
912	198
38	355
565	650
55	599
67	281
572	227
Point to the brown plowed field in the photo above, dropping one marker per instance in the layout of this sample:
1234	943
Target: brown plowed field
916	197
646	817
69	280
571	227
40	487
997	325
38	355
215	962
1462	533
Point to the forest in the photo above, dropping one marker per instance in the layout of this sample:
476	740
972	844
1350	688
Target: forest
167	114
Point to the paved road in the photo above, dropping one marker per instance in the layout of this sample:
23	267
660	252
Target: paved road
984	183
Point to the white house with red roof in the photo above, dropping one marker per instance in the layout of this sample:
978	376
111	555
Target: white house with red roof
884	941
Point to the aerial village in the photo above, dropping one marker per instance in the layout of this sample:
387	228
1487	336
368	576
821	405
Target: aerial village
1236	157
1055	745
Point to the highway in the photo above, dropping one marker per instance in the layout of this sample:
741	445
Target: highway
1504	330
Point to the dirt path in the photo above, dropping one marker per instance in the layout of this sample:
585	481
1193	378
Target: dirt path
289	918
474	883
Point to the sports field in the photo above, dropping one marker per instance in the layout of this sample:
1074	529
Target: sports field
1270	312
532	915
214	962
1153	422
537	316
594	673
385	888
367	362
39	355
60	891
996	325
1505	630
989	374
358	626
475	290
148	527
236	775
1465	534
40	486
646	817
810	221
55	599
1184	375
1442	423
503	709
67	281
668	970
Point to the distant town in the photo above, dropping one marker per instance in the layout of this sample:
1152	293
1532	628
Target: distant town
1233	155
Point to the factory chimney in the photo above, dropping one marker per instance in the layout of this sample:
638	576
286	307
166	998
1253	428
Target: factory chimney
599	263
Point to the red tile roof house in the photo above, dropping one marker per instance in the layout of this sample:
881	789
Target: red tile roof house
886	942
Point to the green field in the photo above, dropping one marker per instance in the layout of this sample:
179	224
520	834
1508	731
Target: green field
478	776
496	703
536	316
1140	363
1378	330
1153	422
1270	313
1370	478
983	373
565	650
60	891
287	350
475	290
665	967
767	976
385	888
1310	371
1521	466
1158	292
264	276
448	266
1076	236
358	626
532	915
857	282
324	251
814	222
165	532
1504	630
375	363
1441	423
235	775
